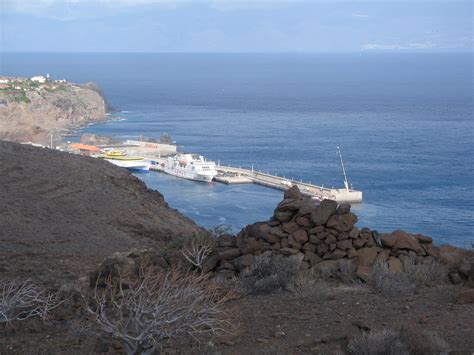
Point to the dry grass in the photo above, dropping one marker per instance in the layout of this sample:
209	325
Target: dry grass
412	277
268	275
401	342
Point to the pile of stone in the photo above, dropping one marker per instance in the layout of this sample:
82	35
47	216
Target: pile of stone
319	236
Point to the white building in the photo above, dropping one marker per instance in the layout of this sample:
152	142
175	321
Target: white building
39	79
4	81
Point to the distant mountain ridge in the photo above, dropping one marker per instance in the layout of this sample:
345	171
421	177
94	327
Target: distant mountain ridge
31	110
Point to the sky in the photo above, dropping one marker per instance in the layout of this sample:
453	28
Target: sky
235	26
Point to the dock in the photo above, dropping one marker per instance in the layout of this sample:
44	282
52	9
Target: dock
233	175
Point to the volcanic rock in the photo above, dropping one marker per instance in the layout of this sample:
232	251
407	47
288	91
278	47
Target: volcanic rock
323	211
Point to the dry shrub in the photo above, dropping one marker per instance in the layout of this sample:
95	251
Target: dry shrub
412	277
22	299
309	286
402	342
345	273
198	249
156	307
269	274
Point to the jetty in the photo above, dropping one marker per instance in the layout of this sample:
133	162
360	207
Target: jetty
237	175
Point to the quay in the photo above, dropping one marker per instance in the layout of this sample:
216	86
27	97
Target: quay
233	175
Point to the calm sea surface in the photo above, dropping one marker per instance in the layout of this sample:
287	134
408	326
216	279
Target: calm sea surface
404	122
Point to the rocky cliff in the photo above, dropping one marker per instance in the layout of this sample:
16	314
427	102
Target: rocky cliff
31	112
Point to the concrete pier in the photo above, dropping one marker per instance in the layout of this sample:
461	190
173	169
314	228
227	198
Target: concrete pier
232	175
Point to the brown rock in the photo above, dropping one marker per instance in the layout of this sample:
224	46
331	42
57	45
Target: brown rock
332	246
210	263
363	272
322	249
424	239
383	256
354	233
323	211
311	258
345	244
343	235
272	238
283	216
330	240
431	250
293	243
276	246
293	193
316	230
226	240
300	236
284	243
250	245
278	232
344	208
258	230
451	255
304	222
366	257
337	254
359	243
290	227
402	240
342	223
227	265
395	266
309	247
244	261
228	253
289	251
314	239
307	209
351	253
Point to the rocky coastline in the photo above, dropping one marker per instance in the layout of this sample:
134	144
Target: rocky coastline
38	112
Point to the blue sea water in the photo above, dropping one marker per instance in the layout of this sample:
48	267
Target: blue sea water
404	123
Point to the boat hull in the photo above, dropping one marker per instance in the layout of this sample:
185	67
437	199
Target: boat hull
131	165
182	173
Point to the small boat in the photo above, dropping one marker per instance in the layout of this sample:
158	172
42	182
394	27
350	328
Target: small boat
191	167
121	159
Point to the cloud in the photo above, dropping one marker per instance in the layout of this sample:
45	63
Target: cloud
398	46
360	15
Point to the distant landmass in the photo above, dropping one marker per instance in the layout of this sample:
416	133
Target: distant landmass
39	110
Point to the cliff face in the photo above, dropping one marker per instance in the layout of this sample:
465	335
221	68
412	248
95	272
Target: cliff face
62	214
31	112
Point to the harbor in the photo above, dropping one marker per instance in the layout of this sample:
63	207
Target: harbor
142	155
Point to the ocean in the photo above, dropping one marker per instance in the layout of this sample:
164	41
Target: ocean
404	122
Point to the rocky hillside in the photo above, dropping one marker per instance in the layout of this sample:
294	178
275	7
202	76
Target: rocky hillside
30	112
61	214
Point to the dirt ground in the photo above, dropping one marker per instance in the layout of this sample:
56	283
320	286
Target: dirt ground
281	323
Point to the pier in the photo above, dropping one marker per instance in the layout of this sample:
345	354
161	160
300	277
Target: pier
233	175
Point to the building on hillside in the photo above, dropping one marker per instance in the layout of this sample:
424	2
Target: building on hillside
4	80
84	149
39	79
4	86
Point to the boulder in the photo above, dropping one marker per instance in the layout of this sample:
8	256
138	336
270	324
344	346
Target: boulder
309	247
342	223
272	238
466	296
354	233
227	265
290	205
363	272
293	243
210	263
244	261
294	193
228	253
283	216
343	208
314	239
290	227
323	211
226	240
359	243
322	249
311	258
343	235
332	246
300	236
395	266
296	259
316	230
337	254
424	239
289	251
383	256
284	243
330	239
278	232
431	250
402	240
306	209
225	275
351	253
452	256
304	222
366	257
258	230
345	244
250	245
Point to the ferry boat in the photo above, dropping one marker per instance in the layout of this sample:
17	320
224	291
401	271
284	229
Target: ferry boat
120	158
190	166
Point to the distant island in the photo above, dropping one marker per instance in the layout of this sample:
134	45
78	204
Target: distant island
38	109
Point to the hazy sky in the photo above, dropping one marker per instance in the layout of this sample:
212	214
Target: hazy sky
235	26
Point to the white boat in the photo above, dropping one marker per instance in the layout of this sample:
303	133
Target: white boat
190	166
120	158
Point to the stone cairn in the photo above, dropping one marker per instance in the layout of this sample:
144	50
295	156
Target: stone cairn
321	236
